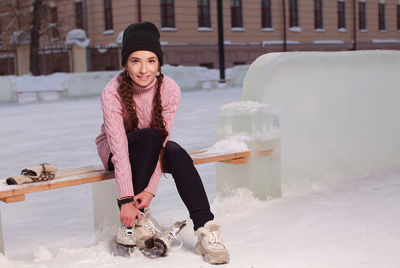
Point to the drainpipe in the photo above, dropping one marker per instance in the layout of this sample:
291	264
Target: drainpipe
221	50
354	26
85	27
139	4
284	25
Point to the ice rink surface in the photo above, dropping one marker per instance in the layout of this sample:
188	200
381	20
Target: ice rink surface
330	222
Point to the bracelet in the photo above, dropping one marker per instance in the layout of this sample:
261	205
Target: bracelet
124	201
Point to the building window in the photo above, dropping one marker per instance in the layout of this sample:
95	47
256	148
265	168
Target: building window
236	14
398	17
362	17
266	18
341	15
293	14
79	15
203	13
1	42
54	20
318	22
381	17
108	18
167	14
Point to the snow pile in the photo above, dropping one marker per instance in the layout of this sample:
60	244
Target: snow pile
77	85
7	90
54	81
228	146
77	37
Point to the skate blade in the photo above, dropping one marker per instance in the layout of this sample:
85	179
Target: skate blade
123	250
160	247
153	253
180	225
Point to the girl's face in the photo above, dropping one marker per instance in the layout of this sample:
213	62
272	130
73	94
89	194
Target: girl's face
142	66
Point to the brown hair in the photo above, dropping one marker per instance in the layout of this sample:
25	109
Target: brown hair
126	93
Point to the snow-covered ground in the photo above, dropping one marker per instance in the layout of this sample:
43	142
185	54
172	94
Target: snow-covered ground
333	222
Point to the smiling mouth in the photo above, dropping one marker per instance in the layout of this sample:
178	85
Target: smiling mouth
143	78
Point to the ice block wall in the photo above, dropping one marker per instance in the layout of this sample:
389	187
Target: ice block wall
254	124
338	110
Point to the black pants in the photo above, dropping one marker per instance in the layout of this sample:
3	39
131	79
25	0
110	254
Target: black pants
144	149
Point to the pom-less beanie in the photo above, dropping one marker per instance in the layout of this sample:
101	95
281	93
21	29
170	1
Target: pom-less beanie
141	36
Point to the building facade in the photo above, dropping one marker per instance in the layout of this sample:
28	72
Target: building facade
189	28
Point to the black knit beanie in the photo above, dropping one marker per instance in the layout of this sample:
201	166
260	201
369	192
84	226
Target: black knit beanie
141	36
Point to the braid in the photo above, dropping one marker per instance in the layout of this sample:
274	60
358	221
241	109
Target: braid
158	123
158	120
126	93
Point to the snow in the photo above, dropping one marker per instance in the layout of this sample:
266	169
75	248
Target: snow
78	37
335	221
77	85
228	146
380	41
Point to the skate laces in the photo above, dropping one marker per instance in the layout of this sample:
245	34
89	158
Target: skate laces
128	231
148	225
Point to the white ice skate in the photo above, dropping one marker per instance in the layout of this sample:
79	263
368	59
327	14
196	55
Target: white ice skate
145	230
162	241
125	241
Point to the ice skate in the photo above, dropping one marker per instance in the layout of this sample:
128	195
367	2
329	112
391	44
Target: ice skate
125	240
145	230
162	241
210	244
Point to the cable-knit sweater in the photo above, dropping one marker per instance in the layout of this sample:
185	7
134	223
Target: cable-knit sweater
113	139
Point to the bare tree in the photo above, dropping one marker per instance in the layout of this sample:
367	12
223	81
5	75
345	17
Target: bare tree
27	22
35	36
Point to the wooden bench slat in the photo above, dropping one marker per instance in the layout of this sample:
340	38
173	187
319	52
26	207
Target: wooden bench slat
236	161
202	158
13	199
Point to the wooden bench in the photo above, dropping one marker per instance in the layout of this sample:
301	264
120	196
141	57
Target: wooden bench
89	174
39	93
104	190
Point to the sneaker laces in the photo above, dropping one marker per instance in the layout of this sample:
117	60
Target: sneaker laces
216	238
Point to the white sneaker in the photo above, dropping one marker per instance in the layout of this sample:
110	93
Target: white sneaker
125	236
210	244
145	230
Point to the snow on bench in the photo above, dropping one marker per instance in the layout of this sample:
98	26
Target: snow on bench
89	174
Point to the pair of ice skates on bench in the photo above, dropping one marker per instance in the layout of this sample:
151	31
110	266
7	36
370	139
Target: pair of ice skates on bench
148	236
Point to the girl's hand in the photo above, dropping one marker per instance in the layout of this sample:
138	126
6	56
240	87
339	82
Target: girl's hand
128	214
143	199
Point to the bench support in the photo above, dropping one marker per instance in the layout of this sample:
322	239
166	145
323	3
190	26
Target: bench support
260	174
2	245
105	208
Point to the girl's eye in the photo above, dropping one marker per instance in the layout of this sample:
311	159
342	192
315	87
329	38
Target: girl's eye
135	61
152	61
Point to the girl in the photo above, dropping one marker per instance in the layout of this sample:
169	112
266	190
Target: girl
139	106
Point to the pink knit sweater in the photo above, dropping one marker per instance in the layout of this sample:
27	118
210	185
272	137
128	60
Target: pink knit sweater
112	138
